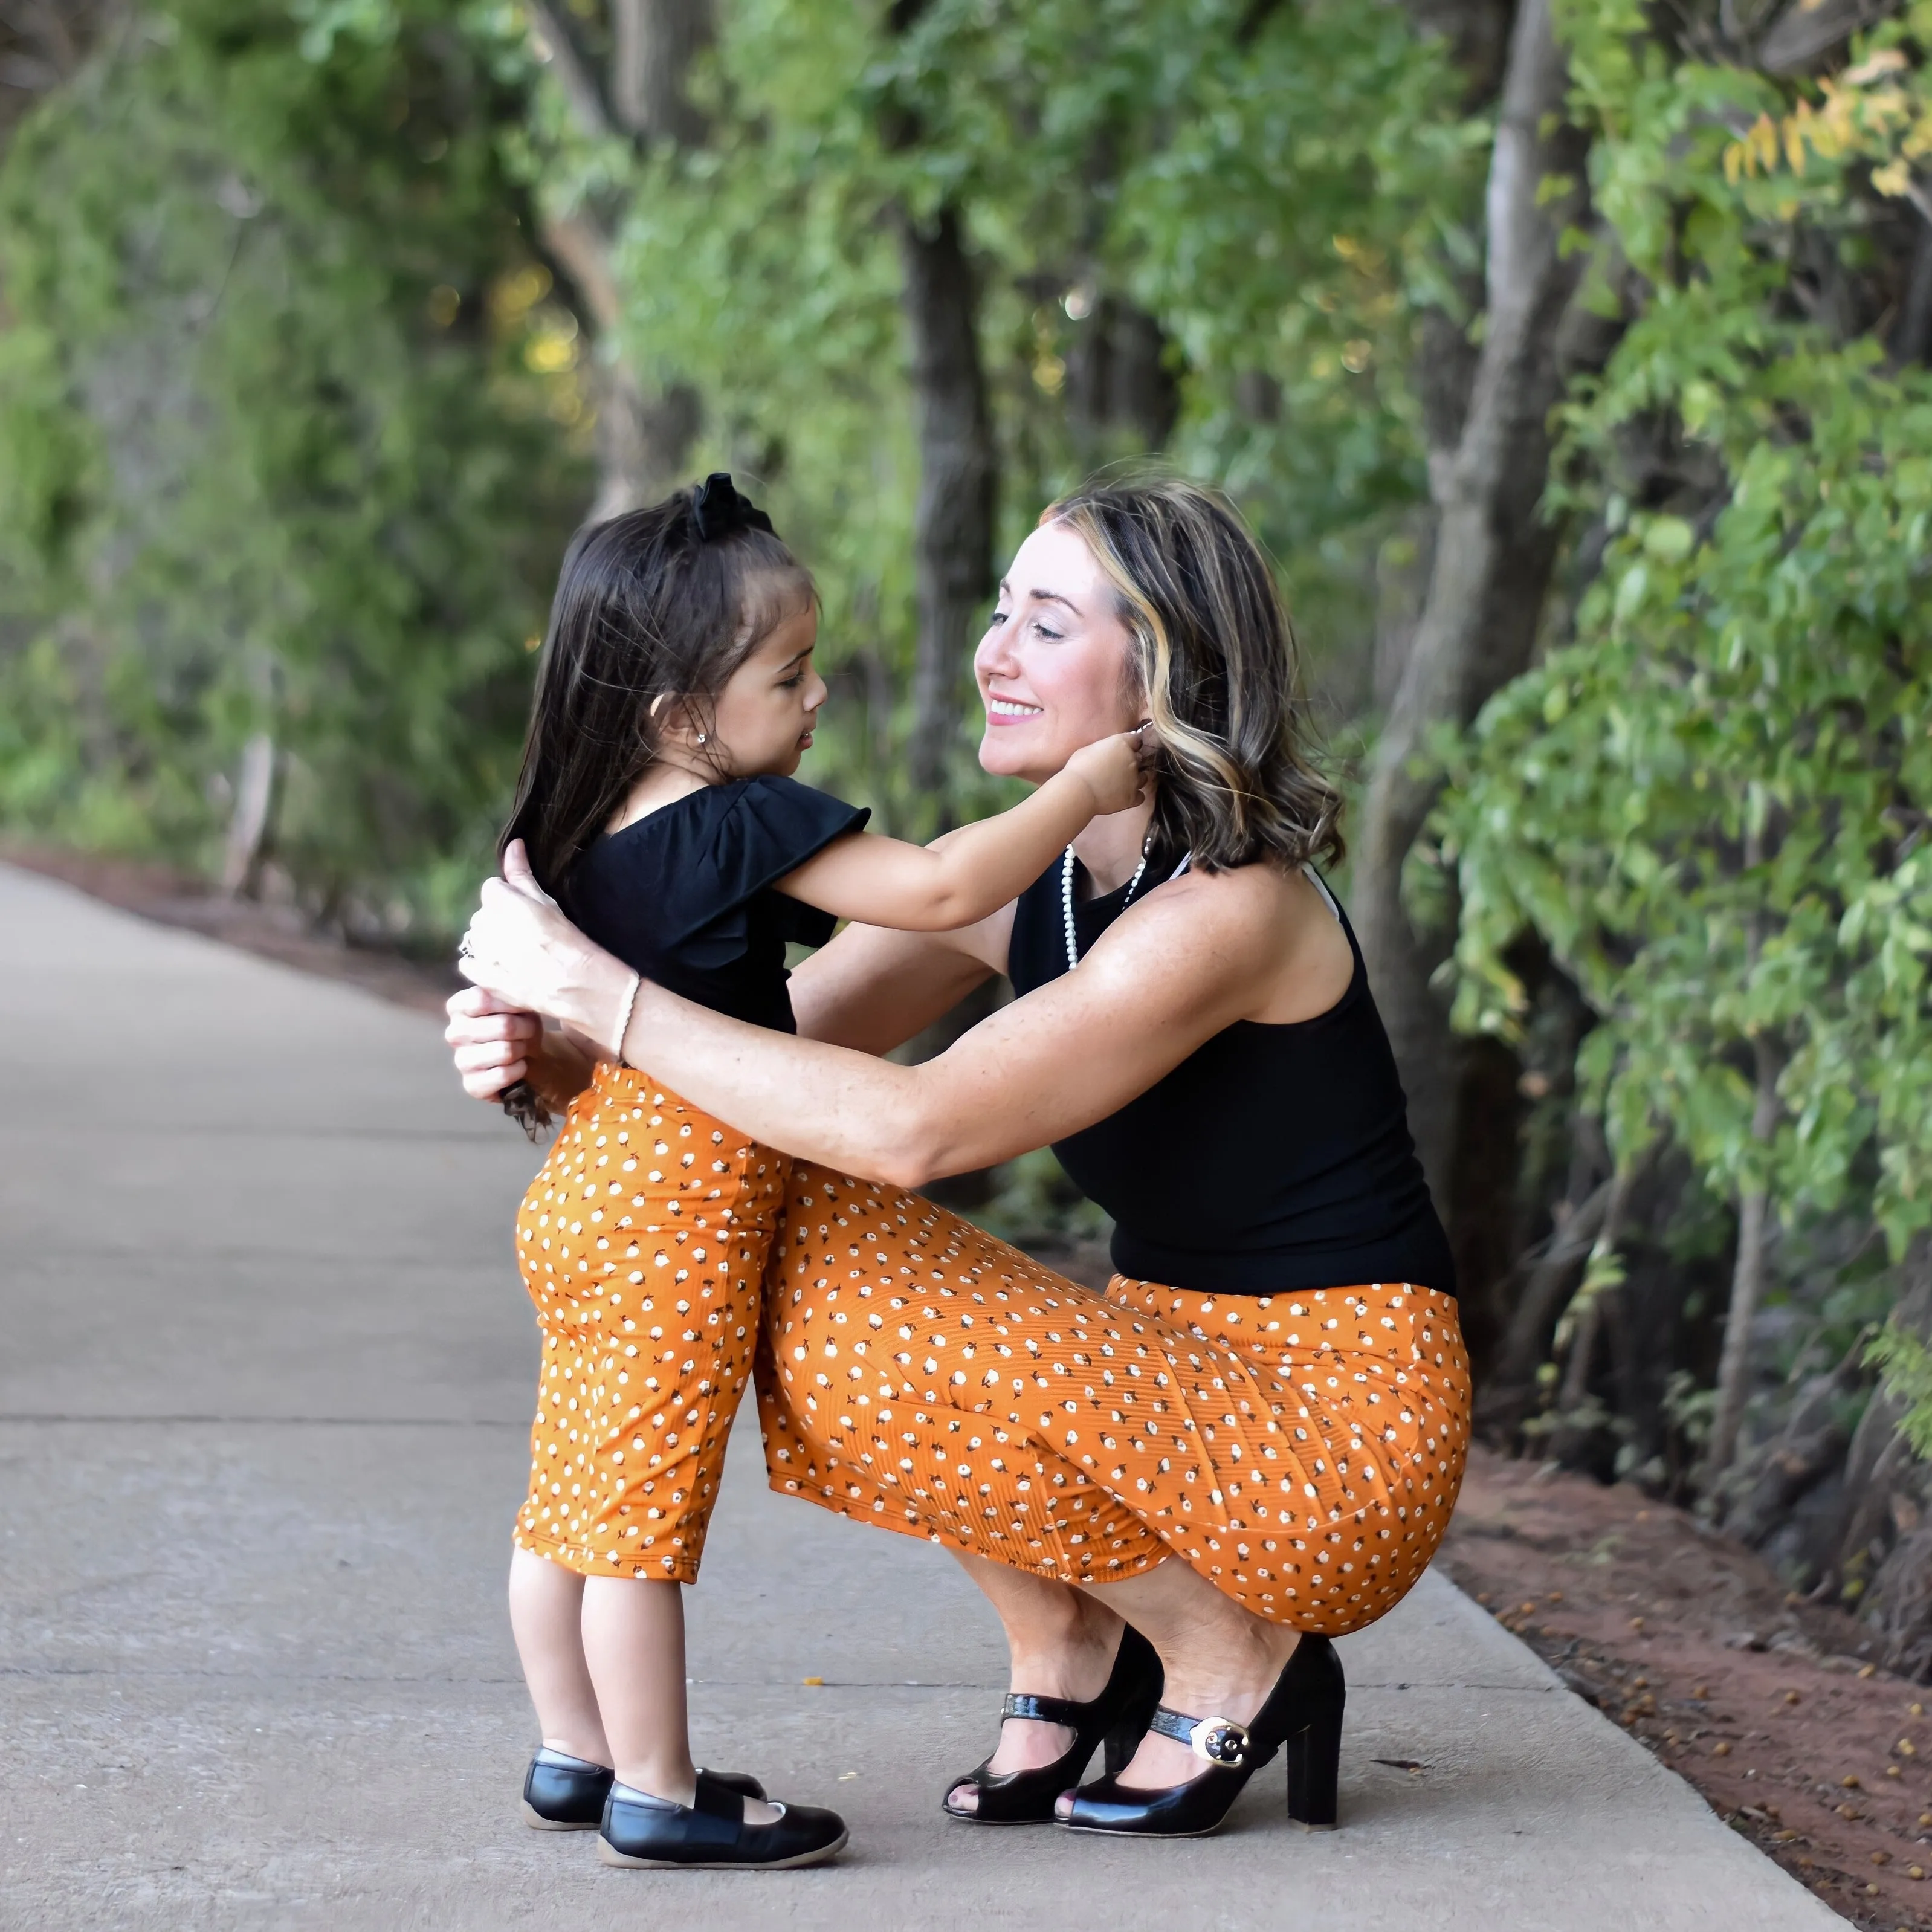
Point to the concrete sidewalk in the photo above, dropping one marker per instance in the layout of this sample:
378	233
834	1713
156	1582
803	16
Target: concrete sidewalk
265	1370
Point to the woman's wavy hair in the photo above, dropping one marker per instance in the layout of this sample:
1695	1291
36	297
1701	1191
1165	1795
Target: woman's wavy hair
1241	770
647	609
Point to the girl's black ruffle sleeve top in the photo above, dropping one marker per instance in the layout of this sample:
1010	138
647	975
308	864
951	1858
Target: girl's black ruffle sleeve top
688	896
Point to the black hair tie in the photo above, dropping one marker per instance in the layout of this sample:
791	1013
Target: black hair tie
718	511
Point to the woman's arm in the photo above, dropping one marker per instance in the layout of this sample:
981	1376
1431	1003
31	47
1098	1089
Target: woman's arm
971	872
1190	959
869	990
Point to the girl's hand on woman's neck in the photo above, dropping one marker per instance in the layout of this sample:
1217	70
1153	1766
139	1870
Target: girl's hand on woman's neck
1111	848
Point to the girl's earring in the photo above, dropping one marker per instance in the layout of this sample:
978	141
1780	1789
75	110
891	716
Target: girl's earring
700	737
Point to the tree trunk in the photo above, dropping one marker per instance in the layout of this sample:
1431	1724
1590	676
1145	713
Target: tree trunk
952	528
42	43
1118	377
1881	1561
1734	1370
1911	334
1809	1450
1477	35
1492	557
654	42
644	436
1510	1392
248	823
1747	1282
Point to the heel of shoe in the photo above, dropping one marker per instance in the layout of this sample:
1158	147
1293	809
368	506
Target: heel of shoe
1314	1771
1119	1744
1137	1714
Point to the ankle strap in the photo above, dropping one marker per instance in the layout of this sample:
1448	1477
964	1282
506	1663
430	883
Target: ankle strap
1218	1740
1043	1710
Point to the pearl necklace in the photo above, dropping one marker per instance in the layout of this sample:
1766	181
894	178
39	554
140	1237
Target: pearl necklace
1067	895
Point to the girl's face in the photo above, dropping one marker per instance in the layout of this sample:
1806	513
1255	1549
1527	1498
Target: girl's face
1054	667
762	724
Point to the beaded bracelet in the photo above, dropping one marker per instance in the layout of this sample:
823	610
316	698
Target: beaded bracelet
624	1018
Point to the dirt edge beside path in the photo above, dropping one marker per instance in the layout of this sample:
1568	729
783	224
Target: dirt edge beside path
1763	1702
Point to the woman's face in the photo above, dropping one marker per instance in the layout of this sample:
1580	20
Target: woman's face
1053	666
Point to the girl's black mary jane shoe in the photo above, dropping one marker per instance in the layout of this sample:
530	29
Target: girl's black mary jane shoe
1114	1720
570	1797
1302	1716
711	1834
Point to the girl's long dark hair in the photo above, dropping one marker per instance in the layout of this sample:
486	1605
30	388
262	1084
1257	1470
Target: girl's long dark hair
646	608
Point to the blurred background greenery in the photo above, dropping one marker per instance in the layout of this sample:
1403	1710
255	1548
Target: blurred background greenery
1570	355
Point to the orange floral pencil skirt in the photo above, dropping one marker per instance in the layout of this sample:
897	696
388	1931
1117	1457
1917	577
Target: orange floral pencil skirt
1302	1451
642	1242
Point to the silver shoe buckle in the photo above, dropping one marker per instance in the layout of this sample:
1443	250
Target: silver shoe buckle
1220	1740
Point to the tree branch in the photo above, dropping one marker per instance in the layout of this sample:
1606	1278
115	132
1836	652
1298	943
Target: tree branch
576	74
583	251
1813	28
1493	554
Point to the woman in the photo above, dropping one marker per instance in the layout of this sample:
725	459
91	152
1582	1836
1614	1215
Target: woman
1252	1442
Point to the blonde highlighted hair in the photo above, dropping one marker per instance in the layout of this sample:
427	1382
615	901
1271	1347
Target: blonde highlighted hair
1241	773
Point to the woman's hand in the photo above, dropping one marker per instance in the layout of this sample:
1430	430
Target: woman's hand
1115	770
523	950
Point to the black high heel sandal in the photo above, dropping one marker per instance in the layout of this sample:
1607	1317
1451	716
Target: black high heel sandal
1303	1715
1113	1720
570	1797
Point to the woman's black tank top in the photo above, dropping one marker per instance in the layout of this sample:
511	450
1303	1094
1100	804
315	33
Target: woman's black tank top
1272	1158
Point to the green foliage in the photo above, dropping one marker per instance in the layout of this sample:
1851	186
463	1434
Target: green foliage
1314	198
289	433
264	465
1709	801
1905	1363
1268	194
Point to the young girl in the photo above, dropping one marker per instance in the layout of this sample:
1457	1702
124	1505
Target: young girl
674	700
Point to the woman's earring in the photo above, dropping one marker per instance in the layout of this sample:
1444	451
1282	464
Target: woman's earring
700	737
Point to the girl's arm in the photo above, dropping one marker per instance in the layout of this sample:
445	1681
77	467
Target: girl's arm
1190	959
969	874
871	990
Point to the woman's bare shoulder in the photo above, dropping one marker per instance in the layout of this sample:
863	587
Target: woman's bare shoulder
1261	933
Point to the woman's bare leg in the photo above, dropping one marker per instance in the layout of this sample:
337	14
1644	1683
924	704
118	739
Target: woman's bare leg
1062	1644
1221	1661
546	1617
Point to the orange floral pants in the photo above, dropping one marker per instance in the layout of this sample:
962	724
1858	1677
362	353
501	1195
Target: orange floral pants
642	1242
1302	1451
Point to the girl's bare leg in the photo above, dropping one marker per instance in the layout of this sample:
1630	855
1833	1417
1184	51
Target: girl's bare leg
1062	1644
546	1613
633	1645
1221	1661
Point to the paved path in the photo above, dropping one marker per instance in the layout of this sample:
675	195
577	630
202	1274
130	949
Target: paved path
265	1372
